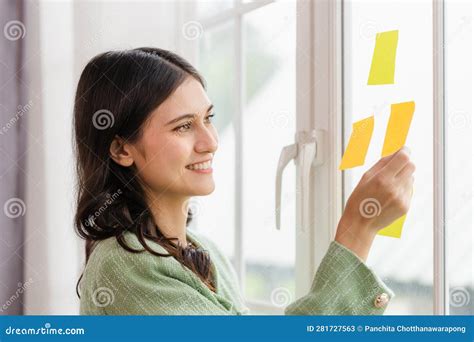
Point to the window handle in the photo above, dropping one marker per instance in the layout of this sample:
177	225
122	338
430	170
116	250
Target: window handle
306	152
287	153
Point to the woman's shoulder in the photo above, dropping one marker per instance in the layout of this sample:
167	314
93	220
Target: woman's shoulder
109	259
112	244
112	271
110	256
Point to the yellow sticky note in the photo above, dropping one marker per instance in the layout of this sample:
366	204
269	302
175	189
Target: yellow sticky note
382	70
358	145
397	127
394	229
397	130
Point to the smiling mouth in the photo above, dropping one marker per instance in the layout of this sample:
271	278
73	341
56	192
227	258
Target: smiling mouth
200	166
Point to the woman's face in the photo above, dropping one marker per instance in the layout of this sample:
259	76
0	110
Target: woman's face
170	144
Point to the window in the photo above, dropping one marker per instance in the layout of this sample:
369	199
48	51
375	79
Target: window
287	73
430	267
412	282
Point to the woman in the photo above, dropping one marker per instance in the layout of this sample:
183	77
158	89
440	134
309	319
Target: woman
144	142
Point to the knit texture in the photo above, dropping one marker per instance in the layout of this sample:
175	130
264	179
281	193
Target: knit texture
118	282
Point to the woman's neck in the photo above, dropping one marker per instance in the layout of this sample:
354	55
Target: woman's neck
170	214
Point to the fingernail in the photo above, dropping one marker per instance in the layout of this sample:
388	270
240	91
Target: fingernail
407	149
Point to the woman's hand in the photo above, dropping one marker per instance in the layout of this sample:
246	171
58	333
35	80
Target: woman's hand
382	196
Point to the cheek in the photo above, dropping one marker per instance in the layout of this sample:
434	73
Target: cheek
176	155
163	161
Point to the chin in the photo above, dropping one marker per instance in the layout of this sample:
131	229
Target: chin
204	190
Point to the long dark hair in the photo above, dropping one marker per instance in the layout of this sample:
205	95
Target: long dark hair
116	93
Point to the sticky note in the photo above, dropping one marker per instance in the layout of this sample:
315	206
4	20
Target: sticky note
394	229
382	70
397	127
358	145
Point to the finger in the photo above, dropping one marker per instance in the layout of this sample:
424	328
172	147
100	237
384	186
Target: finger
410	189
377	167
398	162
408	184
381	163
407	171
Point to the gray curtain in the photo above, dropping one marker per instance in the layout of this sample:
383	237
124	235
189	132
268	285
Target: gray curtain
13	113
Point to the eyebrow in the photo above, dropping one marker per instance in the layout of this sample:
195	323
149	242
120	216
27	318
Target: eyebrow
185	116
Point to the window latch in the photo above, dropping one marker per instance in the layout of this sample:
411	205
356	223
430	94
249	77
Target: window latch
306	152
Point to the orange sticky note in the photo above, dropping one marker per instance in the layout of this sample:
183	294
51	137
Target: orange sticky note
395	137
358	145
382	70
397	127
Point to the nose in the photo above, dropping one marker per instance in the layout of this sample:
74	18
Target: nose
206	140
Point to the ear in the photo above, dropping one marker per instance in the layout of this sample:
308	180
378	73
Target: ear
120	152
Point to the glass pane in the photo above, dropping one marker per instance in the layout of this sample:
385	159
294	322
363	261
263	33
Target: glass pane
405	264
459	190
216	212
268	125
209	8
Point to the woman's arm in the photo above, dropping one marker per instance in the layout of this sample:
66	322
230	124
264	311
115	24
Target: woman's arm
355	236
344	284
382	195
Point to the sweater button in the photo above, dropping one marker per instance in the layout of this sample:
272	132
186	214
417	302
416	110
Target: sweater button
381	300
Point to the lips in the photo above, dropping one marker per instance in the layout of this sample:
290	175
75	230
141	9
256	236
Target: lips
200	162
200	166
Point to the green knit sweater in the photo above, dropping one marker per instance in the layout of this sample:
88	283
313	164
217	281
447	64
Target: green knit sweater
117	282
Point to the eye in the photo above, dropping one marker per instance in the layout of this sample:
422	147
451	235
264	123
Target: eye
187	125
184	127
209	117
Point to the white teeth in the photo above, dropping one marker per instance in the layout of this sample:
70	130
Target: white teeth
200	166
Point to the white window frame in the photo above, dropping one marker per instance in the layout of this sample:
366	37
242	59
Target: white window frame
319	108
440	280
